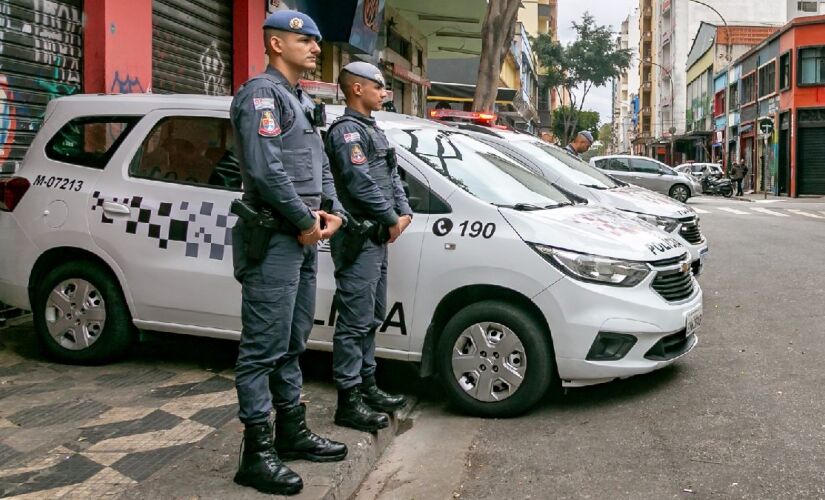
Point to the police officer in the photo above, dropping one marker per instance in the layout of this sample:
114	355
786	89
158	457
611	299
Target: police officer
370	189
285	175
580	144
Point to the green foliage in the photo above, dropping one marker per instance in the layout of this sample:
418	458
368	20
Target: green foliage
591	60
565	117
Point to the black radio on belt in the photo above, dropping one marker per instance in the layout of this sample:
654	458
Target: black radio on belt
317	116
391	160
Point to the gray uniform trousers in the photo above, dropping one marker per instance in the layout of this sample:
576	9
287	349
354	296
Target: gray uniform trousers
361	302
277	310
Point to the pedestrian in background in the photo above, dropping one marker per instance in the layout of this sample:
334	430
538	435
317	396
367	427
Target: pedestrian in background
580	144
285	175
738	175
367	180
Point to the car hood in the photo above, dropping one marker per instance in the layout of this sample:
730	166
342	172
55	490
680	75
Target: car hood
594	230
644	201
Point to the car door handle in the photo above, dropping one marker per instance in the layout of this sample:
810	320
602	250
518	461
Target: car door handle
112	208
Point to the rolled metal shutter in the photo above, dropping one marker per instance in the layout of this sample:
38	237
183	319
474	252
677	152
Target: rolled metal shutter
192	47
811	160
41	57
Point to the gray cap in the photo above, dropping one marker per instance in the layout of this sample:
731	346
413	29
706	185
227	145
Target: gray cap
365	70
587	135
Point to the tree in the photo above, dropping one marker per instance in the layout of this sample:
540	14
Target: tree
585	120
496	36
606	137
592	60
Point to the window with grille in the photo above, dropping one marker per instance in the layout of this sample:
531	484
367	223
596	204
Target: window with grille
767	79
812	65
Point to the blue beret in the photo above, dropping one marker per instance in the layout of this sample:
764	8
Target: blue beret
587	135
365	70
294	21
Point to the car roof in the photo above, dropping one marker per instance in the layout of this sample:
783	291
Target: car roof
142	103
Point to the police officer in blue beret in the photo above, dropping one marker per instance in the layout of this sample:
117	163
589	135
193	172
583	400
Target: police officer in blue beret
367	180
285	176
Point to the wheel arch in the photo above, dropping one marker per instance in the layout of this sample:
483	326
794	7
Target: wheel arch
59	255
463	297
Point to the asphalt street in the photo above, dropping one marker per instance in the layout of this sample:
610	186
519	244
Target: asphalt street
742	416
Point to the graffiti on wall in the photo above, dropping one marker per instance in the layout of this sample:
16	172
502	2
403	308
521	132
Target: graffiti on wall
125	85
212	69
40	59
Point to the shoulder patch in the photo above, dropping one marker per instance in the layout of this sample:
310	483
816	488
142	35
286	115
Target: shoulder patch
263	103
352	137
268	126
356	155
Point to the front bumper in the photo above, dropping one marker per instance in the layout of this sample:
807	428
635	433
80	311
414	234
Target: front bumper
578	311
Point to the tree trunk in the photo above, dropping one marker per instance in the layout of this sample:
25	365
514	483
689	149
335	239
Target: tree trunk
496	37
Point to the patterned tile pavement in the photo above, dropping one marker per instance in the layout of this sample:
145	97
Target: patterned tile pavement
91	432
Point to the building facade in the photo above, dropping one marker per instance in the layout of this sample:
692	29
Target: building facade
61	47
626	87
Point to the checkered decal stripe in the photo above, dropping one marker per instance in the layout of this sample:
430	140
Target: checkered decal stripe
198	230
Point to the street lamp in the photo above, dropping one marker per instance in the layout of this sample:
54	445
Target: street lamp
672	128
727	82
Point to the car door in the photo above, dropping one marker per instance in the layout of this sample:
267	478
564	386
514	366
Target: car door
618	167
161	211
646	173
393	336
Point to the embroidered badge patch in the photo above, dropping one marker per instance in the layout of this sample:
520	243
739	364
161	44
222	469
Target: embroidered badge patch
296	23
263	103
356	155
352	137
269	127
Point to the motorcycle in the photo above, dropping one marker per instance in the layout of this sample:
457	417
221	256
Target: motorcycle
711	186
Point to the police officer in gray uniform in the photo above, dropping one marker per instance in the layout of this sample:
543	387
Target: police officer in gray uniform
285	176
367	180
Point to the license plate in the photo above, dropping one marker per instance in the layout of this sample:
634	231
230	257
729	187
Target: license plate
693	322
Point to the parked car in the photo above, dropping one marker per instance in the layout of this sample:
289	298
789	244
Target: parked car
648	173
699	170
582	179
504	284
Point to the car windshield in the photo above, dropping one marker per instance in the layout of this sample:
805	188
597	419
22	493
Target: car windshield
479	169
577	170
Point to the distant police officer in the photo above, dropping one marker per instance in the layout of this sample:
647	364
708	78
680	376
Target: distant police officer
580	144
285	175
370	189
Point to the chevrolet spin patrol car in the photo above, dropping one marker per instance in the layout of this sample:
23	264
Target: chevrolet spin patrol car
582	179
119	220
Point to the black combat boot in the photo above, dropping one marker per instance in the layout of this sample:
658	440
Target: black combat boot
293	440
379	400
260	466
353	412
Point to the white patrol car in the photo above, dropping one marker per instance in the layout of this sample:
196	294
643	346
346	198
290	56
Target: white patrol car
582	179
119	219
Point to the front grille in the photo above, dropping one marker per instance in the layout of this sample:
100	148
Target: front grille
690	231
670	347
674	285
668	262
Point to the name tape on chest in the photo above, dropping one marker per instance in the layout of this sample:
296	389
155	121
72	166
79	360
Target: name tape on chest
268	126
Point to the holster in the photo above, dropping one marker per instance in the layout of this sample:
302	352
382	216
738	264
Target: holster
259	226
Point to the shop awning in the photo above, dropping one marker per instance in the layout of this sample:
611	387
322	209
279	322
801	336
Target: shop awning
459	92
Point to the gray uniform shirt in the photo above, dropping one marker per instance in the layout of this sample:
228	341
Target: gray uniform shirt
368	186
283	162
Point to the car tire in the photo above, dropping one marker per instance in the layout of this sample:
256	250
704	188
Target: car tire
80	315
680	192
525	359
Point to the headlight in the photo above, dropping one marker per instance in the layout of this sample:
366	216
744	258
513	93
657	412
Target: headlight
664	223
593	268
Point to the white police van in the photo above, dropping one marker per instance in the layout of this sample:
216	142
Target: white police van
119	220
582	179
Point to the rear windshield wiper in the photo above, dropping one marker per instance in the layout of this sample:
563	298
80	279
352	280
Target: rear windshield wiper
594	186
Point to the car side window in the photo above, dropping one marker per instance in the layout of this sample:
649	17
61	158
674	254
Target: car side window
645	167
90	141
617	164
422	199
189	150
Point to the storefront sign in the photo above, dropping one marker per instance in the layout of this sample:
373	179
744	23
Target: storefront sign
405	74
369	15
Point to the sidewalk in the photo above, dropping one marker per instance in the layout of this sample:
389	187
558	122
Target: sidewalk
755	197
161	424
